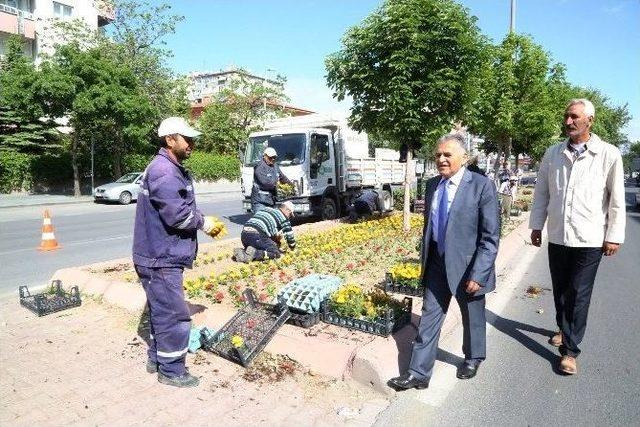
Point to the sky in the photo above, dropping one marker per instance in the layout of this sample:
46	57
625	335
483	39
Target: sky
598	41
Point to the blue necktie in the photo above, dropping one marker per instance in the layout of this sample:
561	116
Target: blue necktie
443	216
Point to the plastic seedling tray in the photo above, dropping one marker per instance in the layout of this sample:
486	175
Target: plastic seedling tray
55	299
304	320
383	327
397	288
246	334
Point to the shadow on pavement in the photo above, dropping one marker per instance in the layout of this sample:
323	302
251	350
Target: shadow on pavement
516	330
404	342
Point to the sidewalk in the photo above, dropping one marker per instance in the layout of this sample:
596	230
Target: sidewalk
20	200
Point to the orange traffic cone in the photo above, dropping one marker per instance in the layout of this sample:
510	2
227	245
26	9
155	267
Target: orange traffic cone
49	241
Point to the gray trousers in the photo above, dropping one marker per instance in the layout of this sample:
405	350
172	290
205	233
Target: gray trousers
434	309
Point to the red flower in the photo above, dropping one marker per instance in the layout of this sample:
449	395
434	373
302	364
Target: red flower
350	266
263	297
251	323
219	296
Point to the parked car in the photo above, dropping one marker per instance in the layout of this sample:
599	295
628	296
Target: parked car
124	190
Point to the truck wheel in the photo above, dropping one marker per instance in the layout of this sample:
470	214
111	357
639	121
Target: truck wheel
125	198
328	209
387	201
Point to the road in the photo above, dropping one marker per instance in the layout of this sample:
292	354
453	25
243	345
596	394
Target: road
517	384
87	232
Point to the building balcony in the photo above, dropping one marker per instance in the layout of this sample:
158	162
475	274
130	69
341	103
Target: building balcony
16	21
106	12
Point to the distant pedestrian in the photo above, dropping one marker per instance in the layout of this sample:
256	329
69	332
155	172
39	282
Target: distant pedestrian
580	193
459	249
505	173
507	193
263	232
266	176
164	244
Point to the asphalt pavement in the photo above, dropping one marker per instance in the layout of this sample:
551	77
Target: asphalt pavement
518	383
88	233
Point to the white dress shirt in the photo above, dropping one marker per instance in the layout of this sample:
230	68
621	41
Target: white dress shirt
582	199
452	188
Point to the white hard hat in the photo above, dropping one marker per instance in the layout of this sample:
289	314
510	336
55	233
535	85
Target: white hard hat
289	206
176	125
270	152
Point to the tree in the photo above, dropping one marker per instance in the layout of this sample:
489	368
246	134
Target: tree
519	112
410	69
22	125
239	109
104	103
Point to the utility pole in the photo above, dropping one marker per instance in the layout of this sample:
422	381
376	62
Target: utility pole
512	21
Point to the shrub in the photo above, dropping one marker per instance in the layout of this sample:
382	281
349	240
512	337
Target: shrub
212	167
398	198
135	162
15	171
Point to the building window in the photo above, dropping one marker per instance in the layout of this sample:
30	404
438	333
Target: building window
62	10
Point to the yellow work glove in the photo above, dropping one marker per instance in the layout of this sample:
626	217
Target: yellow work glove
214	227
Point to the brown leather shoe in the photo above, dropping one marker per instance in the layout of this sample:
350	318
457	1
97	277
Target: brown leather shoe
568	365
556	340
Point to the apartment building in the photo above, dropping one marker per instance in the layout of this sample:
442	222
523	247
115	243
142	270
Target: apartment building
203	86
32	19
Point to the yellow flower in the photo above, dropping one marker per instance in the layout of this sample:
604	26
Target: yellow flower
237	341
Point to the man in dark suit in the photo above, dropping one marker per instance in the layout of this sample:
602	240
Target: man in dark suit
459	248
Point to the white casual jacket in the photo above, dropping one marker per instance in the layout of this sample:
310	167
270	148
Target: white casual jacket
583	201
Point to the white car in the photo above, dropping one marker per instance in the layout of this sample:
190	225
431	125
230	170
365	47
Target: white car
124	190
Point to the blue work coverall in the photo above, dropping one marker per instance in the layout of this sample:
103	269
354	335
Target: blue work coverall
164	243
265	180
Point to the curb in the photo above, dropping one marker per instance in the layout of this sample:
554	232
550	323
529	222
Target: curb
78	202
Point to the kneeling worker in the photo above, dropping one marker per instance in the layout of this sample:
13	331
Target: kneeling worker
261	234
365	204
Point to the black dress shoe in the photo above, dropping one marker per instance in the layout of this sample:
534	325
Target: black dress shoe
407	381
468	370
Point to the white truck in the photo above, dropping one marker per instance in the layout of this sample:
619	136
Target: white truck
328	162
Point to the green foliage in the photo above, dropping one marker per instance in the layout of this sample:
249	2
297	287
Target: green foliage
15	171
136	162
20	110
236	111
212	167
409	68
518	110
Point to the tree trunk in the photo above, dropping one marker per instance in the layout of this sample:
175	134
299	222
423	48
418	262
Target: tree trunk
117	156
408	179
74	166
517	161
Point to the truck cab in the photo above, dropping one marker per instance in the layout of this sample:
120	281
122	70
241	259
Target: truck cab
327	161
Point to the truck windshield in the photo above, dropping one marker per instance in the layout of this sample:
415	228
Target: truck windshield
290	148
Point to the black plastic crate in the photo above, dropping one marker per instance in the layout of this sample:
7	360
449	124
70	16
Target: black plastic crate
390	286
383	327
304	320
255	323
53	300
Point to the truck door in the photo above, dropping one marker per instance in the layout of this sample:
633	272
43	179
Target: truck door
321	165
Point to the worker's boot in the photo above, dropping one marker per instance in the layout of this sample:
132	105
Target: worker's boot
250	253
184	380
239	255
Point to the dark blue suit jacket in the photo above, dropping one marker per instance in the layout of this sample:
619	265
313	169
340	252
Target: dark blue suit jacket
473	233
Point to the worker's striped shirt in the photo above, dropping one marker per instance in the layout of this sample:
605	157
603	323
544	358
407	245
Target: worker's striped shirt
271	221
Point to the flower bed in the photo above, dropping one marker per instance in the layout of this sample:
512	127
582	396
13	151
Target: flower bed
373	311
359	252
404	278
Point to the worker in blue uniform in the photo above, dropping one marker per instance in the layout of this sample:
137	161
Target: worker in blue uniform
364	204
266	176
164	244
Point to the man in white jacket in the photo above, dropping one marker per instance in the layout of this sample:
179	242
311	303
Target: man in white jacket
580	194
